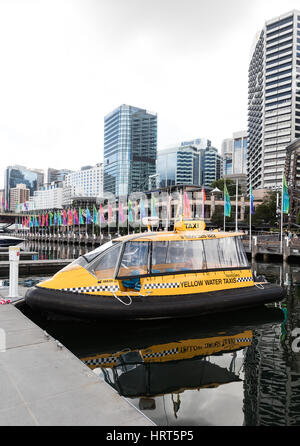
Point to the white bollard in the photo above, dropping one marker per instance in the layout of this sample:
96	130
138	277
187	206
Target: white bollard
14	257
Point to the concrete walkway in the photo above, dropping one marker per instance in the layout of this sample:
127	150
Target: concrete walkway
44	384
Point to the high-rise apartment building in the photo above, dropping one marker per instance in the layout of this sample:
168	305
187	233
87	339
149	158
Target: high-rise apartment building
273	99
130	149
86	182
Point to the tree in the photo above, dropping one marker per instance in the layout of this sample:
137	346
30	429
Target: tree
217	218
230	184
266	212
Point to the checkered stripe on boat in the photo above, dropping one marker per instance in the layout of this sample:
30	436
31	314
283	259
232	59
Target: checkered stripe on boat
93	289
172	351
243	340
245	279
155	286
99	361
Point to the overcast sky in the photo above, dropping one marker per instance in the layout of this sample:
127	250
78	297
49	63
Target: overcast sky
65	64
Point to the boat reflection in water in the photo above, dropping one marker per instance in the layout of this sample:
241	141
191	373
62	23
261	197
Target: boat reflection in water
195	354
180	372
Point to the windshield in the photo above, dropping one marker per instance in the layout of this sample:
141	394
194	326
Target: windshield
93	254
86	259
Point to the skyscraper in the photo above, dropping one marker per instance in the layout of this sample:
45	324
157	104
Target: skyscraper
211	165
130	149
273	99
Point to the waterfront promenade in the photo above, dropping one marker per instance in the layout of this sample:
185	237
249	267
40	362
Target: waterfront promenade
43	384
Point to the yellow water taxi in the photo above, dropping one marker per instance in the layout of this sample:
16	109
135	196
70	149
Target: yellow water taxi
185	272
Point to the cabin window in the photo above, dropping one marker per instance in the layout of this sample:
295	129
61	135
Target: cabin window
177	256
134	259
224	253
104	267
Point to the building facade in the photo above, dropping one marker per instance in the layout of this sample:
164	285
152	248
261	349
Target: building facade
130	149
17	196
178	165
234	154
86	182
211	165
14	175
189	165
54	175
273	99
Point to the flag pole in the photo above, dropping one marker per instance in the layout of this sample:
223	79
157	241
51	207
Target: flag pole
236	204
128	214
100	224
250	217
224	206
281	219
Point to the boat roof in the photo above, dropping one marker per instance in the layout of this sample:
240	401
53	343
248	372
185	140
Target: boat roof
176	236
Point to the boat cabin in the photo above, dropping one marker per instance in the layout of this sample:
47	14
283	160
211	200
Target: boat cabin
130	258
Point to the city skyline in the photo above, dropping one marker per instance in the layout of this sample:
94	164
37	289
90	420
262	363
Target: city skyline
66	67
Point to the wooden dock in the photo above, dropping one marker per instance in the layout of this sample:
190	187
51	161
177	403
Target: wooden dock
270	247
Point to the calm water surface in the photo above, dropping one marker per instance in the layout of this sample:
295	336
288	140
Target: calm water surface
239	368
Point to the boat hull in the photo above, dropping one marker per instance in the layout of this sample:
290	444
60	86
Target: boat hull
94	307
6	242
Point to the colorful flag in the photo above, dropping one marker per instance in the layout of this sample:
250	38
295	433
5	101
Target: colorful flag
153	203
88	216
81	220
95	215
64	218
43	220
227	203
130	215
285	197
59	219
102	218
179	208
143	210
251	201
121	213
76	219
187	208
203	202
109	214
40	220
70	217
55	219
50	218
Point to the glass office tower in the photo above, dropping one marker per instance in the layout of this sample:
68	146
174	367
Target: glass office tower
273	99
130	149
178	165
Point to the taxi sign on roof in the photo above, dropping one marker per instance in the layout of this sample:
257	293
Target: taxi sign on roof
198	225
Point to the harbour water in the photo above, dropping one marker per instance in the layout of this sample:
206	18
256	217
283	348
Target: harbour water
234	369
